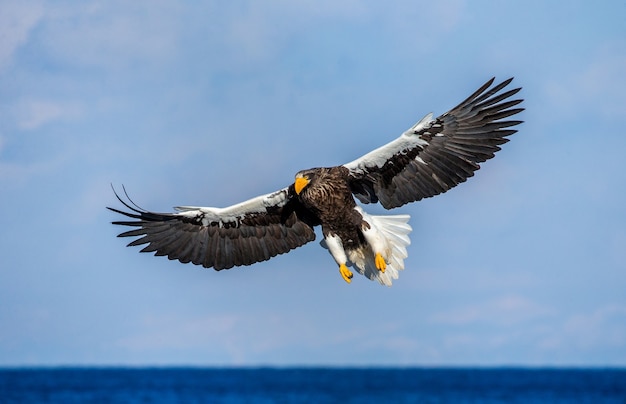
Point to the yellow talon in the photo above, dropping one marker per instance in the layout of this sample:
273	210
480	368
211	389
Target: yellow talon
380	262
345	273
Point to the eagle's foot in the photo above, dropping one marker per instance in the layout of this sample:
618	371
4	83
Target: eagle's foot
346	274
380	262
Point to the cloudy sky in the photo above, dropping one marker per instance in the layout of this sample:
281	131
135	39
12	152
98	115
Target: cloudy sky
211	103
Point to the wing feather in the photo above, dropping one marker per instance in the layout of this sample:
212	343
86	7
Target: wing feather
437	154
242	234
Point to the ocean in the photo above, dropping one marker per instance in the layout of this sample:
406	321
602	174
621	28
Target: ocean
312	385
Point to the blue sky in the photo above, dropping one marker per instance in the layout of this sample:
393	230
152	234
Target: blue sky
209	104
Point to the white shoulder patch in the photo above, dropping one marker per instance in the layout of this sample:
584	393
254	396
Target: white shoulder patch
235	212
380	156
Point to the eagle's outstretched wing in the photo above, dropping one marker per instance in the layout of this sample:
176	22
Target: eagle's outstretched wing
242	234
436	155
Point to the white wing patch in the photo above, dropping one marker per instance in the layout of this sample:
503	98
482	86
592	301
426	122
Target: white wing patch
408	140
234	213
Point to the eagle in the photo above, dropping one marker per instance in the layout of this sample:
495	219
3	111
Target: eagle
431	157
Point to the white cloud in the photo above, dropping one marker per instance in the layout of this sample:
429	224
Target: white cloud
596	88
227	337
605	326
547	336
18	172
32	114
244	35
17	19
594	336
111	34
167	331
506	310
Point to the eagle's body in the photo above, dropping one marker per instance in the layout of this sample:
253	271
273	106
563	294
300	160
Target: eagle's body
431	157
329	197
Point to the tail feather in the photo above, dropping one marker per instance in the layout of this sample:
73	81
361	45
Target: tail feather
394	231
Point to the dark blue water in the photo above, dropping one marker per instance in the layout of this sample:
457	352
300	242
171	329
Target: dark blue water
314	385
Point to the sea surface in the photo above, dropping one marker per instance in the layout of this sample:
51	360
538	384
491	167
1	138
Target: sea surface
312	385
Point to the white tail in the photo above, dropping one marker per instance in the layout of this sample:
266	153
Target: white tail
392	234
388	235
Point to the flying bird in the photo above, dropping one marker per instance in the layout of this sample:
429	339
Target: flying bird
428	159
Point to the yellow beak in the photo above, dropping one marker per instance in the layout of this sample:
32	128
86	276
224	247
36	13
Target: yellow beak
300	183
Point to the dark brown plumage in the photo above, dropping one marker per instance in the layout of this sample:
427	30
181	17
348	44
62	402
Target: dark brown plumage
329	197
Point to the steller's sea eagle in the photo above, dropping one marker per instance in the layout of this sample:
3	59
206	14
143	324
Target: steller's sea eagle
428	159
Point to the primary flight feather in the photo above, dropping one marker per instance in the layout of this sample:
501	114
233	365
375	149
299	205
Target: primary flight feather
428	159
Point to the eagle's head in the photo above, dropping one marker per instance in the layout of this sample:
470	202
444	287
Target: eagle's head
304	178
